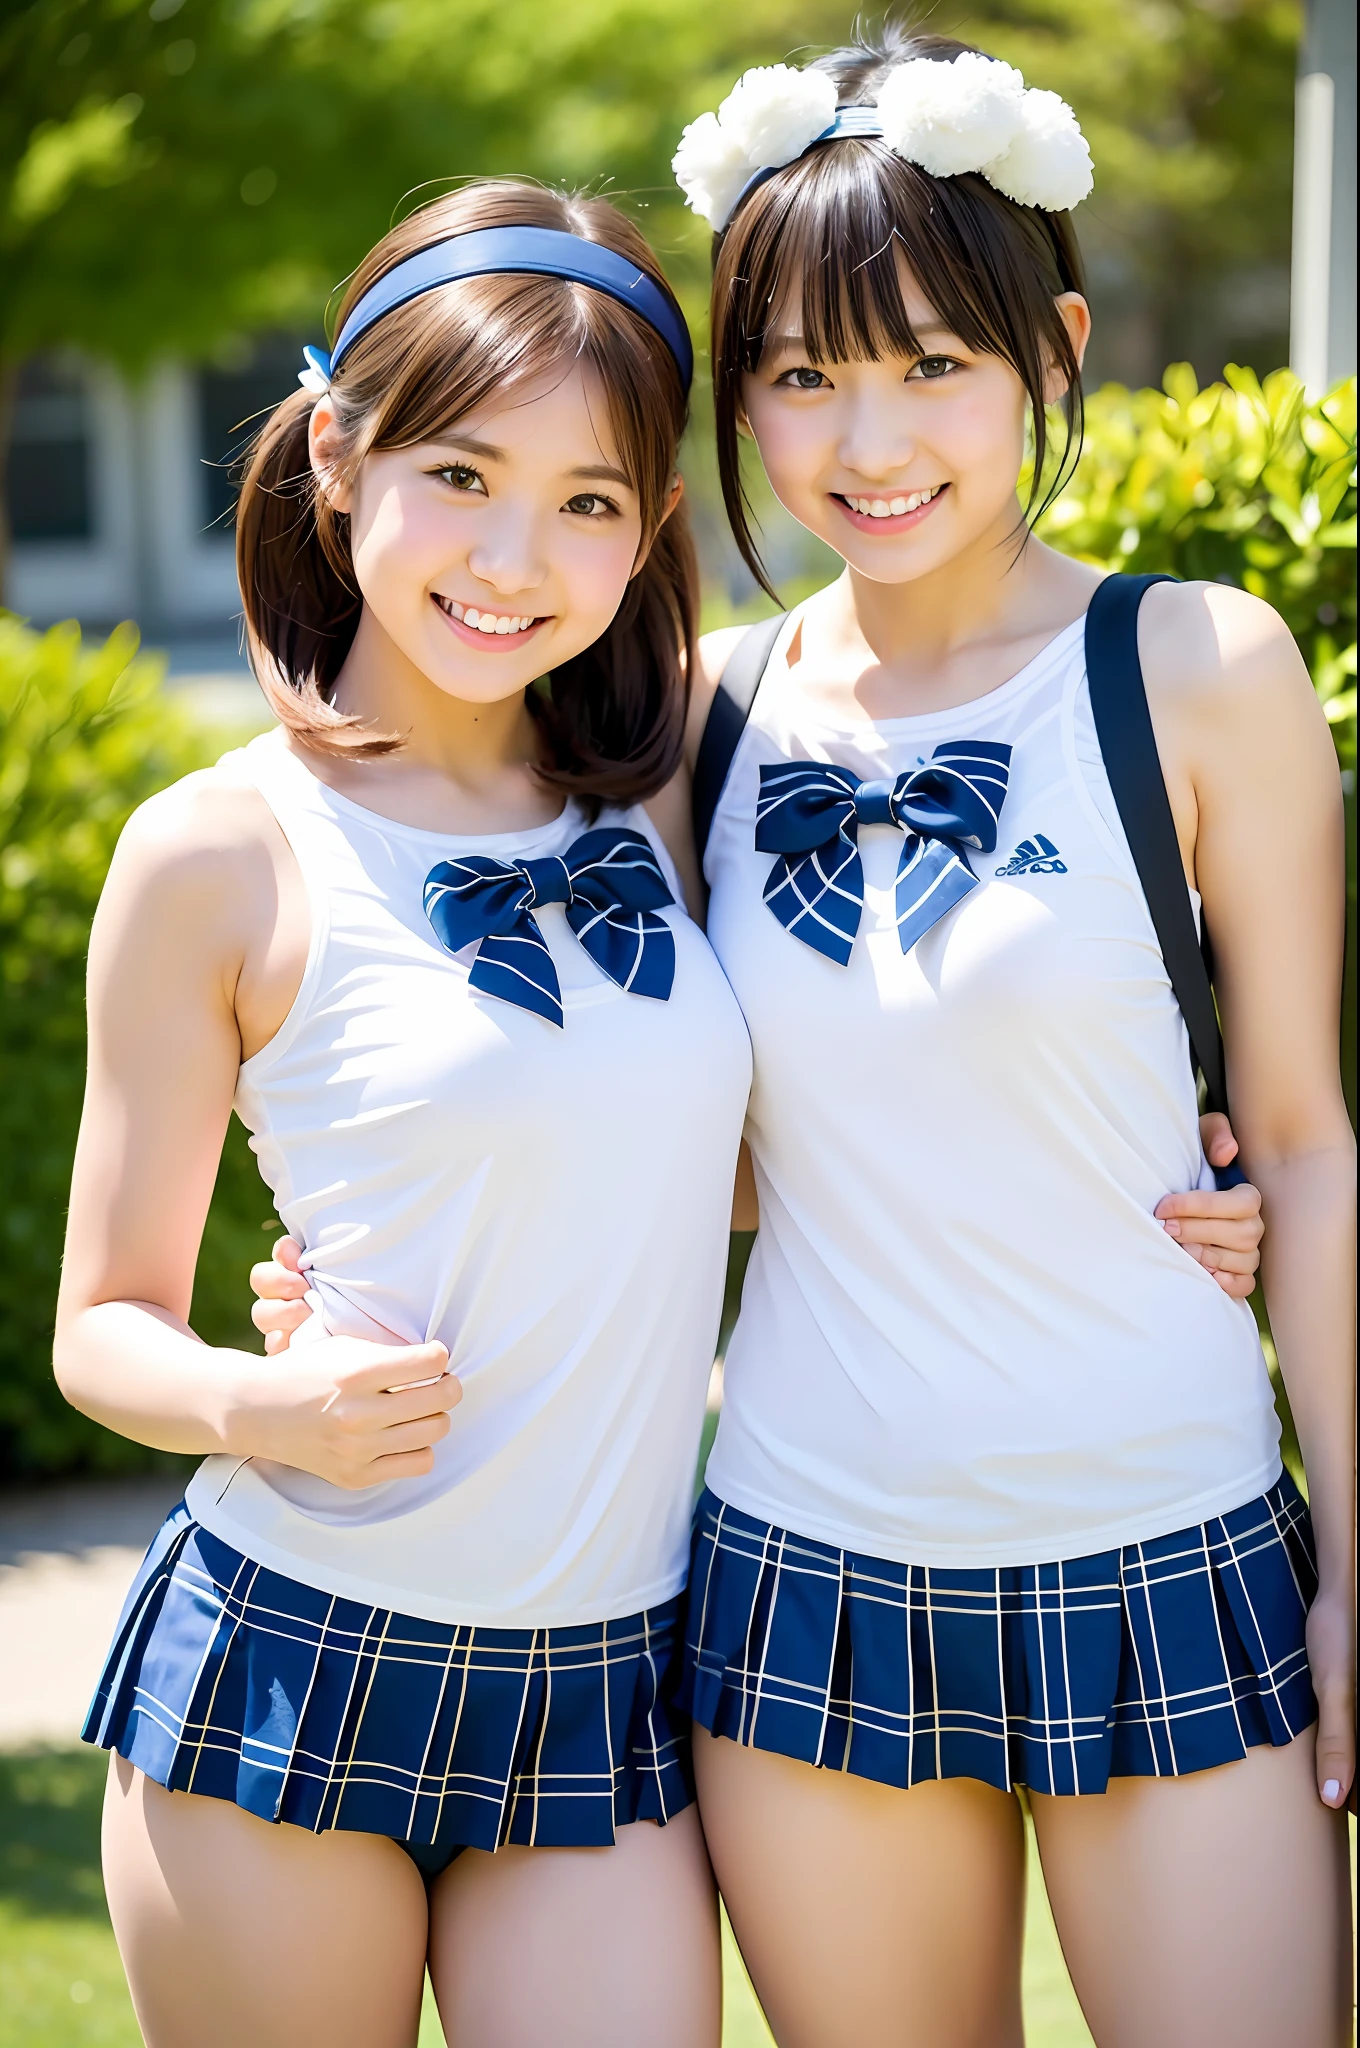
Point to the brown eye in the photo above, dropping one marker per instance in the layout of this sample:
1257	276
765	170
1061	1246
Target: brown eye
591	505
461	476
931	368
804	378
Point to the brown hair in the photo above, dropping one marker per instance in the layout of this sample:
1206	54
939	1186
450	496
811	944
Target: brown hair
838	216
612	719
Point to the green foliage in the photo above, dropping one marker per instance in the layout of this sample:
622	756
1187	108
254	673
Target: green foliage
169	172
85	736
1242	483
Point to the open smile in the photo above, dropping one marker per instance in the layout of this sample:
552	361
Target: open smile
486	629
896	514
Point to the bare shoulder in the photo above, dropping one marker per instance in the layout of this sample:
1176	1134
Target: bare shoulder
714	653
1213	649
1232	703
202	850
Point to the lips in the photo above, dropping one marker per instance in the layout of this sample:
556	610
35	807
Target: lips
486	625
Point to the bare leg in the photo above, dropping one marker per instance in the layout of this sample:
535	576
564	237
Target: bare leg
234	1931
583	1948
865	1914
1211	1911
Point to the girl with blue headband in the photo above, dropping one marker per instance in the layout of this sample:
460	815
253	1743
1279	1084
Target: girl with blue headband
396	1681
996	1499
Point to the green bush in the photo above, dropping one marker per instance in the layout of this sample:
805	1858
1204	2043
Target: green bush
1242	483
85	736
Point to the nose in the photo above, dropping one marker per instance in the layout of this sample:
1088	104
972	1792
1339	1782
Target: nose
508	556
876	440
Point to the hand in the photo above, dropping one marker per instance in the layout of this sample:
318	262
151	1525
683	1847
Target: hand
350	1411
281	1308
1331	1662
1221	1230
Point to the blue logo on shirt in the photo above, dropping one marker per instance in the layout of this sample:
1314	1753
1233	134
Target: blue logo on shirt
1036	856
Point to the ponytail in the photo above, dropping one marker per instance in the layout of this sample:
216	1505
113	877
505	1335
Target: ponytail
301	601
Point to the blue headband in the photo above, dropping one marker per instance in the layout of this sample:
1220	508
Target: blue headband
545	252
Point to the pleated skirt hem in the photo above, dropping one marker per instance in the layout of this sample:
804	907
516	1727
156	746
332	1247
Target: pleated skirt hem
1154	1659
234	1682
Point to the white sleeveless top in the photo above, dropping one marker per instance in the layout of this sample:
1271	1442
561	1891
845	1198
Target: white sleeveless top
550	1203
964	1337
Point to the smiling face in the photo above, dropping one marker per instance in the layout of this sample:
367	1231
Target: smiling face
500	550
901	464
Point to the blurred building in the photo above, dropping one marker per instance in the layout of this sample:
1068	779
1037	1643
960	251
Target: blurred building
1322	325
120	494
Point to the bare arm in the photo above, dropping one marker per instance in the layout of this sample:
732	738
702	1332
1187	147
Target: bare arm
189	952
1253	779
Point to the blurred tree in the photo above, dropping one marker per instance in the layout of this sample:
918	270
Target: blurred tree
173	168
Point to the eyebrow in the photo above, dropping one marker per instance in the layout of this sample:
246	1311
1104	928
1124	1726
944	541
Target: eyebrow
601	472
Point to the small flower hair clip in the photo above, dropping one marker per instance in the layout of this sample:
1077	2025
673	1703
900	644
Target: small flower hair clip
971	113
316	378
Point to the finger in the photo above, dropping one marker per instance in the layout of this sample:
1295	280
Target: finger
414	1436
286	1316
288	1252
1233	1205
410	1465
400	1366
1216	1136
1215	1232
1217	1258
373	1412
1241	1243
1335	1750
1238	1285
276	1283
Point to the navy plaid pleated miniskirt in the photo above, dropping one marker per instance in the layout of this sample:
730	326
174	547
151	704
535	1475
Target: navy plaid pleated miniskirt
231	1680
1153	1659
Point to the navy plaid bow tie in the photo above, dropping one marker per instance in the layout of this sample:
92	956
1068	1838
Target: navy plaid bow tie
810	813
612	886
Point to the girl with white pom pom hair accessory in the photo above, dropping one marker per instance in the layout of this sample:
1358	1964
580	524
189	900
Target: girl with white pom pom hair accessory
996	1500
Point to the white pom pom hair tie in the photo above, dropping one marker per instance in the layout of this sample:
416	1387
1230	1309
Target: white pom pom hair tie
971	113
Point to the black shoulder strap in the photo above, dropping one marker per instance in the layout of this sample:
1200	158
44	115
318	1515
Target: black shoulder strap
1129	746
726	722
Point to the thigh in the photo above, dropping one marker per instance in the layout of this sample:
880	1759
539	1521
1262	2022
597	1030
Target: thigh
585	1948
865	1913
1210	1911
234	1930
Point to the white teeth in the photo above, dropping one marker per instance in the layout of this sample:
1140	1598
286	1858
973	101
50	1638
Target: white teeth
482	622
892	508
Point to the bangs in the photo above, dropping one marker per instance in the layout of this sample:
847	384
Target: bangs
845	236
